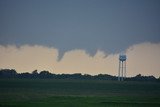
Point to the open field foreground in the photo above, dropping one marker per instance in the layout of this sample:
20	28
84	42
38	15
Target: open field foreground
78	93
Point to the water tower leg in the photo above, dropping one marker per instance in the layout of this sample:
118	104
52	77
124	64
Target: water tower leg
122	71
119	70
125	69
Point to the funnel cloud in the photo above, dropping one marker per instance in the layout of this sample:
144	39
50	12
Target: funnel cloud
142	59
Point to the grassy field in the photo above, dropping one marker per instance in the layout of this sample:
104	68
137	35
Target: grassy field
78	93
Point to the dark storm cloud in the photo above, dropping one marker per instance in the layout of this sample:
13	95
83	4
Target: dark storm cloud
108	25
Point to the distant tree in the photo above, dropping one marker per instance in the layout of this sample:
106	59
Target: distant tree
35	72
76	76
45	74
87	76
139	75
8	73
25	75
104	77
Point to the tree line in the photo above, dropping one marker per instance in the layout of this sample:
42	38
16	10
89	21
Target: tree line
11	73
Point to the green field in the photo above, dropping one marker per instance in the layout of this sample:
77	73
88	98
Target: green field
78	93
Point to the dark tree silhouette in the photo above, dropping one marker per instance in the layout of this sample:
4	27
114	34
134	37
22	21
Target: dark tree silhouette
45	74
8	73
25	75
35	72
11	73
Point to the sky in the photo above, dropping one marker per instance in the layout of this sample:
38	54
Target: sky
86	36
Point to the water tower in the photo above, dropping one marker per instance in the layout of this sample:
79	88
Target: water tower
122	67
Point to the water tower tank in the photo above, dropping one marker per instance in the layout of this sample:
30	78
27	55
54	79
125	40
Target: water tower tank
122	57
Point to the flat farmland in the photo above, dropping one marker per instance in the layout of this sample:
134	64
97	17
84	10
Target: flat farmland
78	93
